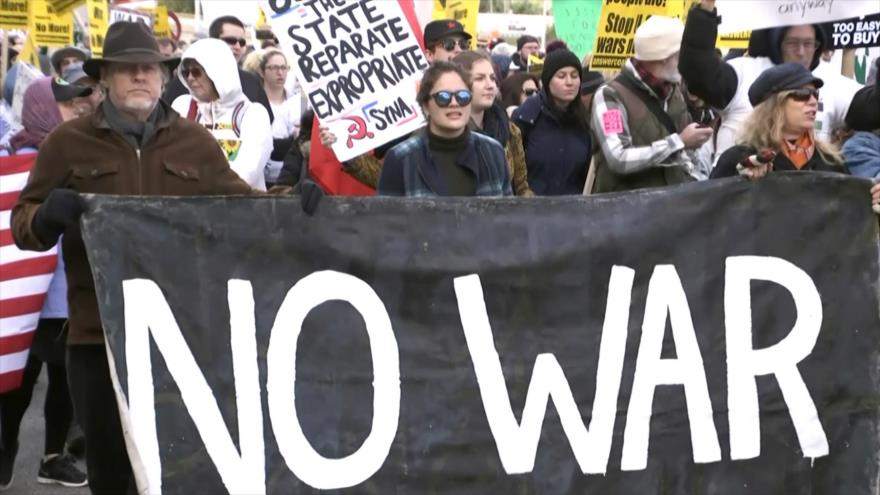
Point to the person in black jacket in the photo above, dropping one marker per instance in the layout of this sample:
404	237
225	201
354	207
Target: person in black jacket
231	30
779	135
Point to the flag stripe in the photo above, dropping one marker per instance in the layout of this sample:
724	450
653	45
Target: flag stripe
14	182
16	343
17	306
6	240
10	381
25	286
15	325
13	361
8	199
26	268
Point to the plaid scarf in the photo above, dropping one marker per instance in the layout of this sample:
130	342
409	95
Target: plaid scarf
659	86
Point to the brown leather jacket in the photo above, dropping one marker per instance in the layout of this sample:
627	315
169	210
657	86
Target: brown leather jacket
86	155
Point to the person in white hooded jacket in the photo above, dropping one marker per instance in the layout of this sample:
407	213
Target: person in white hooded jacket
215	100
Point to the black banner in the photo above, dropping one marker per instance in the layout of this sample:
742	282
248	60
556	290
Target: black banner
719	337
856	32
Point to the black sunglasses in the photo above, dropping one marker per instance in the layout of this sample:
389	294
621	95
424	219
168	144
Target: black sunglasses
449	44
529	92
195	71
231	40
444	98
803	94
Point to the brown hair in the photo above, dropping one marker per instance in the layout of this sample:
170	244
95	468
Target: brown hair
469	58
266	55
433	74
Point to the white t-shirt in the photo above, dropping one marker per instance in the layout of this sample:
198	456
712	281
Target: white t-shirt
286	124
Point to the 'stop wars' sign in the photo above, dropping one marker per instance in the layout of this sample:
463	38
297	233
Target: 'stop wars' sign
417	346
359	63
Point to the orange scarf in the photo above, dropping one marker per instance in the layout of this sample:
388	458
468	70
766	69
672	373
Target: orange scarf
799	152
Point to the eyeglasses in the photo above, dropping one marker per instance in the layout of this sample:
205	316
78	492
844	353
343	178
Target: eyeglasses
195	71
448	44
444	98
529	92
793	44
277	68
232	40
803	94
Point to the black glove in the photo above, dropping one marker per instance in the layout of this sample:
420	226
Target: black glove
62	209
310	195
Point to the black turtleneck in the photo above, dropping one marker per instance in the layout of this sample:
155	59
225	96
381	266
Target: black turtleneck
460	181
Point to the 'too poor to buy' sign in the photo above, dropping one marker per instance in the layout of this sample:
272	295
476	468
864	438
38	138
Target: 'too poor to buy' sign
48	28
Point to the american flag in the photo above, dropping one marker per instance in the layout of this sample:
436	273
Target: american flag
24	278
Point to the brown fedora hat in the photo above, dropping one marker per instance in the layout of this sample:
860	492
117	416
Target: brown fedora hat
132	43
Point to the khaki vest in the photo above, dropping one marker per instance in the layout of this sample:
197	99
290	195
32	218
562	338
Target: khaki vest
644	128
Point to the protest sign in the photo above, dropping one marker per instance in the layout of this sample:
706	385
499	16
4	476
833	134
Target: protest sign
64	6
161	27
13	14
463	11
359	63
119	14
575	21
617	28
47	28
414	346
743	15
99	21
858	32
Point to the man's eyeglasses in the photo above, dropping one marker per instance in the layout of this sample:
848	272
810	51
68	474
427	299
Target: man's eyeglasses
444	98
195	71
803	94
232	40
448	44
529	92
793	44
277	68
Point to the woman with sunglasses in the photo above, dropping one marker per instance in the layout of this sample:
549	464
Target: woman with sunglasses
446	158
489	118
779	135
556	129
517	88
215	100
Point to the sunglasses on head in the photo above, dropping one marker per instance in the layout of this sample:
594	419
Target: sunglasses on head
803	94
444	98
449	44
231	40
195	71
529	92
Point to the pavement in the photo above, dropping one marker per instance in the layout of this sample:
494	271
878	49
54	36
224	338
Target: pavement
30	450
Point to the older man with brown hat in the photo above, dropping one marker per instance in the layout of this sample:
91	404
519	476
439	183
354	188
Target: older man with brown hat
133	144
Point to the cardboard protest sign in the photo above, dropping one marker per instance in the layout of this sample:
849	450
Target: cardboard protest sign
617	28
64	6
463	11
13	14
99	21
359	63
743	15
575	21
855	33
47	28
416	346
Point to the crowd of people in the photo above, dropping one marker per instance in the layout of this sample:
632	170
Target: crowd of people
148	118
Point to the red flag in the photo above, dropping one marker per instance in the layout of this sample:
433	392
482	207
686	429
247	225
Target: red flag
324	168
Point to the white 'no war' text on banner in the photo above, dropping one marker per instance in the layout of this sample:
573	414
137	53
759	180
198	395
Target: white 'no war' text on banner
359	64
744	15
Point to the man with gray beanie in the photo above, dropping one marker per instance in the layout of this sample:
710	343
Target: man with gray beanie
646	133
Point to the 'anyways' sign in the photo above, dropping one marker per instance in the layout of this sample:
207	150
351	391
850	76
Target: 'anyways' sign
744	15
359	63
498	346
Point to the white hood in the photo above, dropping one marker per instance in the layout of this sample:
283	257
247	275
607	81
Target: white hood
219	63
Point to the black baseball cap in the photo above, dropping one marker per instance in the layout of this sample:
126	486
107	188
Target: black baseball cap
437	30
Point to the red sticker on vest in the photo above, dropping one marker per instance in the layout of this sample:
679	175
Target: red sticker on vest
612	122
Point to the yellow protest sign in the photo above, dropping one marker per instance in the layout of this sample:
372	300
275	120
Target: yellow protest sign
48	29
463	11
261	18
64	6
161	28
617	27
29	53
681	8
13	14
99	21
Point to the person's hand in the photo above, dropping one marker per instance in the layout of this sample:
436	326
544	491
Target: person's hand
693	136
757	165
707	5
310	195
61	210
875	198
327	137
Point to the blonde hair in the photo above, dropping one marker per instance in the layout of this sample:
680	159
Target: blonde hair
251	62
763	129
